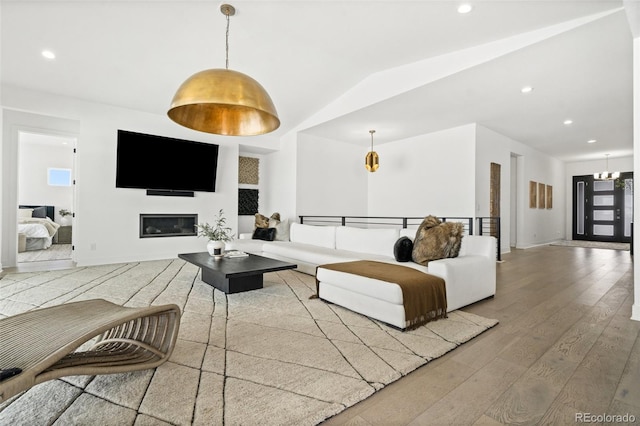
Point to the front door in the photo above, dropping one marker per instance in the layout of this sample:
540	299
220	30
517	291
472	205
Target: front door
603	209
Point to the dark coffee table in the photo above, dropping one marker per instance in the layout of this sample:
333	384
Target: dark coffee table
233	275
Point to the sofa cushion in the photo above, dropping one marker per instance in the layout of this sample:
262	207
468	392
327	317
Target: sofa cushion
367	240
322	236
308	253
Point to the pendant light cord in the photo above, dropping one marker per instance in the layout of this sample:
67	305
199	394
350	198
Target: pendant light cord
227	44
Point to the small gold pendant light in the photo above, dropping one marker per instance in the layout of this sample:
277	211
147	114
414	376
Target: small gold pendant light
372	161
223	101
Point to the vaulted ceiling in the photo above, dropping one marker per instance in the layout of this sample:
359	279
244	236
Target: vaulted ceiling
317	57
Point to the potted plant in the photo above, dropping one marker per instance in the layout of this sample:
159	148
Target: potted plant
218	234
63	216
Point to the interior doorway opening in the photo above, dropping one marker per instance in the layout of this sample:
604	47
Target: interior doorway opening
46	197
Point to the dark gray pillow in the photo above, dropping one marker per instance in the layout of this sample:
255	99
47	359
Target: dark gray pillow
402	249
40	212
266	234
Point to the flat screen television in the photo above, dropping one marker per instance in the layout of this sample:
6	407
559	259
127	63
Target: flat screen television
160	163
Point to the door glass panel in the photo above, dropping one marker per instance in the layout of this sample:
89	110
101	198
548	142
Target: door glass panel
602	185
603	215
603	200
605	230
580	209
628	206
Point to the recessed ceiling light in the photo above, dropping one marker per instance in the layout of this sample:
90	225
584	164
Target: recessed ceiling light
465	8
526	89
591	141
48	54
568	122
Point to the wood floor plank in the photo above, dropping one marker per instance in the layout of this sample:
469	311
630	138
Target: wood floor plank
565	345
467	402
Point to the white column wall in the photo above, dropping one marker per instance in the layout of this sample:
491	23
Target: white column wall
635	313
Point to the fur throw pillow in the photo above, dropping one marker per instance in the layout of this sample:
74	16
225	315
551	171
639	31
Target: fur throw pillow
263	222
436	240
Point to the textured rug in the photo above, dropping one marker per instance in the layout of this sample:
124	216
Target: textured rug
55	252
268	356
592	244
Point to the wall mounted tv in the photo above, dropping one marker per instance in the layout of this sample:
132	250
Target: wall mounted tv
165	164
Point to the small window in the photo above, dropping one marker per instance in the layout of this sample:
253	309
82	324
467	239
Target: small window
59	177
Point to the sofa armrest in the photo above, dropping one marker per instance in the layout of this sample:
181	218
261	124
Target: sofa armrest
468	278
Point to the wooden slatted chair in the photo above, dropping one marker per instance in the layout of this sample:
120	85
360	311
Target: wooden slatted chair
83	338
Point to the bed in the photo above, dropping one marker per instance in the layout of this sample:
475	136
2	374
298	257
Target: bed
37	225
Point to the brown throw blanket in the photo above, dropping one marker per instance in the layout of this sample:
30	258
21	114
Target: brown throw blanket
424	296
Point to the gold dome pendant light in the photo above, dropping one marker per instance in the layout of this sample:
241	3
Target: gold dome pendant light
223	101
372	161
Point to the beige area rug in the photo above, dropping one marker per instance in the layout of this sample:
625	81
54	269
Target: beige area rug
55	252
592	244
268	356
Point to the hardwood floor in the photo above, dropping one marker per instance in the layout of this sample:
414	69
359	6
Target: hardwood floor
565	347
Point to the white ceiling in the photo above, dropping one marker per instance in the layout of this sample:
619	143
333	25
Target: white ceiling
307	53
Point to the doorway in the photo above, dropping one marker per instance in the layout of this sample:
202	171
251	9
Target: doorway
46	197
603	209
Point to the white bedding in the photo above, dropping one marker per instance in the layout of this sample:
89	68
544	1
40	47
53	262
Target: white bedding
39	232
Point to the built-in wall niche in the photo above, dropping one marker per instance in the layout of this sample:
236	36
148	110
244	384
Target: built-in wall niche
168	225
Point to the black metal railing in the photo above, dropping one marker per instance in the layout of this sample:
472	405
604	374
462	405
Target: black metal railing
486	225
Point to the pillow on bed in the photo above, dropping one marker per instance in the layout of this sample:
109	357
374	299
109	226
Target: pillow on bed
40	212
25	213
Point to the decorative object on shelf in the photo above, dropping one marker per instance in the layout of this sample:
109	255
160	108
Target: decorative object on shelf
64	219
372	161
218	234
606	175
223	101
248	201
249	170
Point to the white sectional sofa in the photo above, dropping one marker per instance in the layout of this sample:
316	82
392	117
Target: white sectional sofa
470	277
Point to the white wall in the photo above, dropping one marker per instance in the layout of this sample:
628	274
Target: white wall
331	178
281	172
423	175
539	226
107	218
34	160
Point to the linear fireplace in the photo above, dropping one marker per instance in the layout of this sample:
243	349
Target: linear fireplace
168	225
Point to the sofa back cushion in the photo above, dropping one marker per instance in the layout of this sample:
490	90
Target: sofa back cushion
367	240
322	236
409	232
